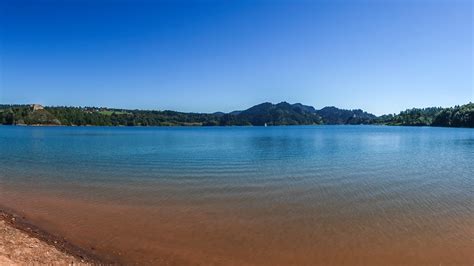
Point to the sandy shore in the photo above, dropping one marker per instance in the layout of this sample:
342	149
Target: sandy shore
21	243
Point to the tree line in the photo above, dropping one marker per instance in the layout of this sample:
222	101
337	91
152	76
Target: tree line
457	116
262	114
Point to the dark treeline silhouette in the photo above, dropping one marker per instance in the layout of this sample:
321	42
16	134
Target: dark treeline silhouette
263	114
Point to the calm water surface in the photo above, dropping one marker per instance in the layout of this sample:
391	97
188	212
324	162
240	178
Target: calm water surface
248	195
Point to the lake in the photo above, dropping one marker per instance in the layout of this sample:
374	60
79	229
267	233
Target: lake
296	195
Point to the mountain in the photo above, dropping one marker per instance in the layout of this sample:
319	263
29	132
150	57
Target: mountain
335	116
274	114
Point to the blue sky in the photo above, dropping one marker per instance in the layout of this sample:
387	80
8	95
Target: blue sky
206	56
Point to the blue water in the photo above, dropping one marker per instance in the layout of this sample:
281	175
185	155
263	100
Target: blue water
425	175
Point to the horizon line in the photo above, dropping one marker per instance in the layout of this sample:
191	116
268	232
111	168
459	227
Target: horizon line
162	110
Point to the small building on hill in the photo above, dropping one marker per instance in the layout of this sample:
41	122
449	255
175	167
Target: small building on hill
36	107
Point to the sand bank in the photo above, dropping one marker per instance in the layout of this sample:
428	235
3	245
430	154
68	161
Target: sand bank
21	243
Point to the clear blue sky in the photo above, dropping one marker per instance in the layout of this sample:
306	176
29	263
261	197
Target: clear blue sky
205	56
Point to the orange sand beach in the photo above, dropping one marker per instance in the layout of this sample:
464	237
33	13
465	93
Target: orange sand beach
22	243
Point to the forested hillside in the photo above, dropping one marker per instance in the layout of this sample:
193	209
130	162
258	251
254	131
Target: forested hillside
273	114
458	116
335	116
266	113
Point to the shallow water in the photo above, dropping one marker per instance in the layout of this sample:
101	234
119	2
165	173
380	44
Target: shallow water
300	195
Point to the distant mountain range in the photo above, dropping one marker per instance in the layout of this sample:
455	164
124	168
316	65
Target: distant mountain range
262	114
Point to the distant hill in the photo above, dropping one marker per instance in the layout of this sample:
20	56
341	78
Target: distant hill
335	116
266	113
274	114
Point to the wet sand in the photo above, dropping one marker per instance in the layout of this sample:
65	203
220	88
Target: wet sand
188	234
22	243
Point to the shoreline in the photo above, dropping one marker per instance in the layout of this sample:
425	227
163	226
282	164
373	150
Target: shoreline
60	247
229	126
